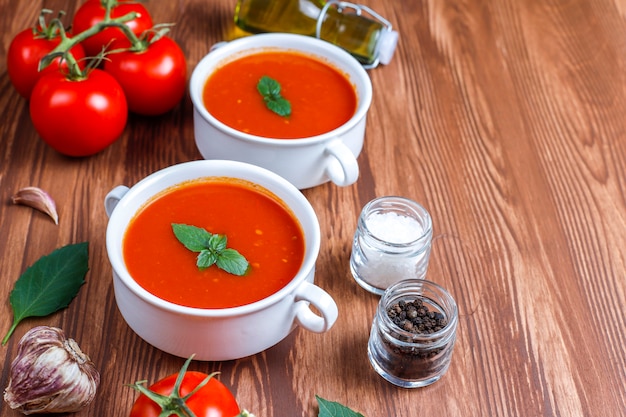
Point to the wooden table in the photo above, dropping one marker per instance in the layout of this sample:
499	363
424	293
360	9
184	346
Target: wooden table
505	119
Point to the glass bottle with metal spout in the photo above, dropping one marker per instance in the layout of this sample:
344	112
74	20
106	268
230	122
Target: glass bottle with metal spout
356	28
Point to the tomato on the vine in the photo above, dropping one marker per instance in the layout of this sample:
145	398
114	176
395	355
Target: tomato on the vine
78	117
154	80
212	400
25	52
91	12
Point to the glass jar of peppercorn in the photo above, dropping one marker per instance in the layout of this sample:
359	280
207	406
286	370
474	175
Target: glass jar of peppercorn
413	333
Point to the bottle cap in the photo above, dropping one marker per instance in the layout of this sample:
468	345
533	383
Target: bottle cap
387	45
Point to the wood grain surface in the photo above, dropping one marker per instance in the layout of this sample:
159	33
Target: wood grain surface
506	119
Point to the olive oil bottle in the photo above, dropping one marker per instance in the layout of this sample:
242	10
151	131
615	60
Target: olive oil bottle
355	28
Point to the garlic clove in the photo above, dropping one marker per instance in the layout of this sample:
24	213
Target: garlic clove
50	374
38	199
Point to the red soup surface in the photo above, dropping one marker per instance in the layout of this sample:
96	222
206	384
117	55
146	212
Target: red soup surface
322	98
256	223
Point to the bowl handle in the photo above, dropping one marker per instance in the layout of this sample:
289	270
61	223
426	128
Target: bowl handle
113	197
322	301
342	168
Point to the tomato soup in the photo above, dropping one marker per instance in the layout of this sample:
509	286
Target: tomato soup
256	223
322	98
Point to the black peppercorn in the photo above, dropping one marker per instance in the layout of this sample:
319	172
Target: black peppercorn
415	317
421	319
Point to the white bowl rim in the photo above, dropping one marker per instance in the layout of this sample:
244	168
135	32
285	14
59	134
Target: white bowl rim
116	258
265	41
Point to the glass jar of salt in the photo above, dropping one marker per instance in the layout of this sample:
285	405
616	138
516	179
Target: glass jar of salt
392	242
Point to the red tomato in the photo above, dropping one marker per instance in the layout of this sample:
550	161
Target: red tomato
78	118
25	52
153	80
92	12
212	400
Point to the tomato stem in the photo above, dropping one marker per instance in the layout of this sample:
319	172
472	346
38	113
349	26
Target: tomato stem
174	403
48	30
67	43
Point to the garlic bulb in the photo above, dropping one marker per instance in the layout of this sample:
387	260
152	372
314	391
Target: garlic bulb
50	374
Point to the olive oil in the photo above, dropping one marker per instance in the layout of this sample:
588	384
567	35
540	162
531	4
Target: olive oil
355	28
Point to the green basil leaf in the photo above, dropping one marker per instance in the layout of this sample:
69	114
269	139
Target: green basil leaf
50	284
206	258
280	106
218	243
333	409
194	238
268	87
232	262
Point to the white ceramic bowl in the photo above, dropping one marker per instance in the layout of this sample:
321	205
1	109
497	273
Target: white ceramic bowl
305	162
217	334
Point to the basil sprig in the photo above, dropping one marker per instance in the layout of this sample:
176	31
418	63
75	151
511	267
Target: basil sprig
212	249
270	90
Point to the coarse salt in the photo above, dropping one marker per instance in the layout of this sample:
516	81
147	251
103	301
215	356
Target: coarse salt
394	228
